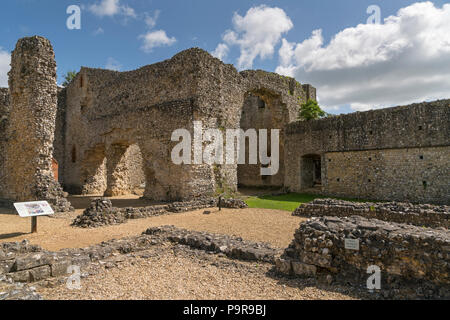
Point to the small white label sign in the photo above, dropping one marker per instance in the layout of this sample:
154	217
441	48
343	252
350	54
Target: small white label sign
351	244
33	209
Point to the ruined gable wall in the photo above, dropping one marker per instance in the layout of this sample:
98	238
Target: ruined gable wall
141	107
389	154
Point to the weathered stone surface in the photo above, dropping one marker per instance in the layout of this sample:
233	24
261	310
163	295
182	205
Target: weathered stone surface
432	216
414	261
394	154
303	269
232	247
31	260
59	268
233	203
40	273
27	167
101	212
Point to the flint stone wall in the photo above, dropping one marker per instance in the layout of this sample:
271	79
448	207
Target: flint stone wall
431	216
101	211
5	108
414	261
396	154
31	128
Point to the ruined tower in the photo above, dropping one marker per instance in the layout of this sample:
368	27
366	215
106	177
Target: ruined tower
31	128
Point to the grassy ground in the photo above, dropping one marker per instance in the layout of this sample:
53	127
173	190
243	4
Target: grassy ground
287	202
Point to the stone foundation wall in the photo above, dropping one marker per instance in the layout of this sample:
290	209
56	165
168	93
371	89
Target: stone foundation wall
414	261
422	215
25	263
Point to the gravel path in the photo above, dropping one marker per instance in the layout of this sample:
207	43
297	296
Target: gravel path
175	272
263	225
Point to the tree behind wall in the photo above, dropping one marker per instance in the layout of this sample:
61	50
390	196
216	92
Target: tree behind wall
68	77
310	111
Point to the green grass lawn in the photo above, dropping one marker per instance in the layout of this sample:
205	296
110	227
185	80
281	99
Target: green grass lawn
287	202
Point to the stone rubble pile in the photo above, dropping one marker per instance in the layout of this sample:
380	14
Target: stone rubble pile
233	203
414	261
433	216
101	212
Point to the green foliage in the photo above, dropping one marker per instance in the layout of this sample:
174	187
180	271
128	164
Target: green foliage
311	110
69	76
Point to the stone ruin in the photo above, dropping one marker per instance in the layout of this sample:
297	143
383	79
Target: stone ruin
110	134
345	242
413	262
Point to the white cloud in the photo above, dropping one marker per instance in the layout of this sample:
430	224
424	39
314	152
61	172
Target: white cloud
5	59
404	60
99	31
150	21
111	8
113	64
153	39
257	33
221	51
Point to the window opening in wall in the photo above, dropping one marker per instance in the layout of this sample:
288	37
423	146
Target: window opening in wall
424	183
74	154
420	127
81	82
261	104
421	157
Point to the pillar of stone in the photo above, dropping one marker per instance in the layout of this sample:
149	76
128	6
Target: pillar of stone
117	171
32	84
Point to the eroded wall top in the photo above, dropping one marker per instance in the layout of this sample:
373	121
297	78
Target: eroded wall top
416	125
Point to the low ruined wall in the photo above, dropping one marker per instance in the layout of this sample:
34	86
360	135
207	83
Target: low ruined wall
422	215
26	263
101	211
414	261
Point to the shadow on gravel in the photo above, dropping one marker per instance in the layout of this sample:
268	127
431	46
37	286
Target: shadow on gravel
11	235
302	283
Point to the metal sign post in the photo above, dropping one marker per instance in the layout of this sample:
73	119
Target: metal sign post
33	210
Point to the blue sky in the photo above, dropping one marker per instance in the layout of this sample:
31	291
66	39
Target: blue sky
113	35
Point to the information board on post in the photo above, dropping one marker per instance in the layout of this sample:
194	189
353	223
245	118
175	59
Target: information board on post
33	209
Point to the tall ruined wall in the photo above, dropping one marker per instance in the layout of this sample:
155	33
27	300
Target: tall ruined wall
4	120
390	154
29	152
271	102
60	133
107	112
